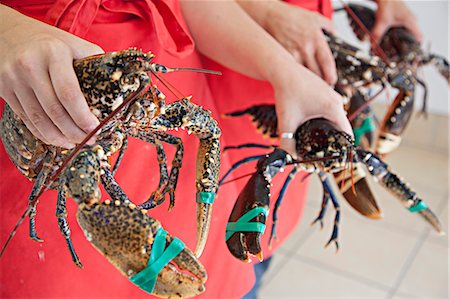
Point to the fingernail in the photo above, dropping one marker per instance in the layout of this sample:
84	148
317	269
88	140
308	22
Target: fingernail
92	128
68	145
91	141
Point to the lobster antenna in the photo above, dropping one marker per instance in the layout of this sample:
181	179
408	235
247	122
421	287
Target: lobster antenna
170	87
238	178
366	31
11	235
192	69
367	103
67	161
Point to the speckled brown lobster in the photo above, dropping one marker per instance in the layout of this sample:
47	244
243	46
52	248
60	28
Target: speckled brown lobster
402	51
117	88
321	148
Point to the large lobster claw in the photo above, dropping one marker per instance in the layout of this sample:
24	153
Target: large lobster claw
140	249
248	218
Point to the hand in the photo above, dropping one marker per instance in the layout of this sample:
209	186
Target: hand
299	31
38	82
301	96
394	13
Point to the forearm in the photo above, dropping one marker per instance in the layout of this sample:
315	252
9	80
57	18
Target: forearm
225	33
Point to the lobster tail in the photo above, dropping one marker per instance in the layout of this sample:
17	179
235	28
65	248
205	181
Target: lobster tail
263	116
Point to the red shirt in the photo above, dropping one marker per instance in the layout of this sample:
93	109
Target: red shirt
45	270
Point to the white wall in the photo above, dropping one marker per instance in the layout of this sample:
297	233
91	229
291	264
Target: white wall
433	17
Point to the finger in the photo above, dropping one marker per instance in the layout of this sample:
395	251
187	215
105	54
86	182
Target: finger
339	117
69	93
414	29
14	103
326	24
82	48
310	61
37	116
289	146
379	29
326	62
57	113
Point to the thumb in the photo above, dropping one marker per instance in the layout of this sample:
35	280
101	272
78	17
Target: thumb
83	48
80	47
326	24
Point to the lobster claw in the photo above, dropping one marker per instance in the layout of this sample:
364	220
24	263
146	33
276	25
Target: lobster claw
361	197
247	220
400	189
141	250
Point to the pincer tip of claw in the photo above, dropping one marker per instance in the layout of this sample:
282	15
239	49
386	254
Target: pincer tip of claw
260	256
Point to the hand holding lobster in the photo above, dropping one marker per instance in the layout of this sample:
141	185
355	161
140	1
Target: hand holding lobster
299	31
38	82
394	13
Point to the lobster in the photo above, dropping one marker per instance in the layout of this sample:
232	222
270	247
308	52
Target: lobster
118	90
402	51
321	148
135	243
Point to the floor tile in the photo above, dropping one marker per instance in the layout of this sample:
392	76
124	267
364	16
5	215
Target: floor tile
300	279
428	275
368	250
421	167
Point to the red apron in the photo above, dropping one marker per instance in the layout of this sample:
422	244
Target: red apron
45	270
232	92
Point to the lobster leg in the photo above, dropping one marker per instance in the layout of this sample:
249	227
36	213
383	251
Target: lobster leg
123	148
239	163
398	188
61	214
113	188
273	233
328	192
162	161
171	184
37	187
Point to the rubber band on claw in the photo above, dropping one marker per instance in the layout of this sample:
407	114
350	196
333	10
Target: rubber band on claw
243	224
418	207
159	258
206	197
366	127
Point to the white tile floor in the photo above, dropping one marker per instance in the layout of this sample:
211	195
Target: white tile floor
398	256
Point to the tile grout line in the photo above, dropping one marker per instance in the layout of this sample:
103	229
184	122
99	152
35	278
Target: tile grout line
302	239
347	274
412	256
407	265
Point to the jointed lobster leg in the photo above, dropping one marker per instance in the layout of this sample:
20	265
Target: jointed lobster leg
38	185
61	214
273	232
162	161
121	154
329	194
171	184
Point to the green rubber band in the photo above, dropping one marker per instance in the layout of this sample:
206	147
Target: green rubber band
160	256
243	224
206	197
366	127
418	207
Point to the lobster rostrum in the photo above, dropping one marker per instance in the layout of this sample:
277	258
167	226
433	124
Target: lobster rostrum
321	148
403	52
111	81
